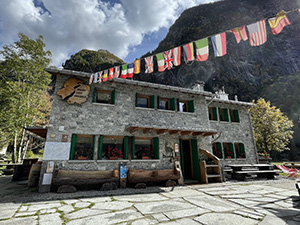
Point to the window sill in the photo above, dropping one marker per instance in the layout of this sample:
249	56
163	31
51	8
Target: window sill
192	113
142	108
166	110
111	160
81	161
145	160
103	104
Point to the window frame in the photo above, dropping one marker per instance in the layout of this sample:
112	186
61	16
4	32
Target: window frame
150	101
73	145
234	115
223	115
213	113
190	107
230	147
218	146
111	92
124	143
239	147
154	144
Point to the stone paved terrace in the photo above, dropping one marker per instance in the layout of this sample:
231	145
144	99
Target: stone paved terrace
265	202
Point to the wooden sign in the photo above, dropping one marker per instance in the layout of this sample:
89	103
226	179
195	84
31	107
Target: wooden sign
75	91
176	147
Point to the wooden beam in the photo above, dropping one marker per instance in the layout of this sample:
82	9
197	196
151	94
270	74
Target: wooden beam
133	129
196	133
174	131
185	132
161	131
147	130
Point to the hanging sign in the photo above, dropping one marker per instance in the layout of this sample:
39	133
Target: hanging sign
176	147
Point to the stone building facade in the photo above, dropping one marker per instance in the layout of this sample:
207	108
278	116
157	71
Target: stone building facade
148	126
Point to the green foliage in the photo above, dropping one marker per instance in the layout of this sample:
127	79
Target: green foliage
272	129
23	87
92	61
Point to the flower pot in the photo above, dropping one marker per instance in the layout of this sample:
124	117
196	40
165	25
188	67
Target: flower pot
228	157
113	158
81	158
145	157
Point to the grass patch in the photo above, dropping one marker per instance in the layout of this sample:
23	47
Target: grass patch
113	199
91	205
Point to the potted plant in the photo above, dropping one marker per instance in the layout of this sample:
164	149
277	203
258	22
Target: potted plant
114	153
145	153
82	154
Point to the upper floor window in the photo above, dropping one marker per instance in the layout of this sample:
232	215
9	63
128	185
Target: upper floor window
166	103
144	101
185	106
234	115
82	147
223	114
104	96
213	113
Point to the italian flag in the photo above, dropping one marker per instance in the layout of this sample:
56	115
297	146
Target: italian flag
202	49
124	72
160	62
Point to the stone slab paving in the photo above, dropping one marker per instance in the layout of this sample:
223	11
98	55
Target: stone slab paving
225	203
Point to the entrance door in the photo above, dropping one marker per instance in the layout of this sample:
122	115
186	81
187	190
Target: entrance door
189	159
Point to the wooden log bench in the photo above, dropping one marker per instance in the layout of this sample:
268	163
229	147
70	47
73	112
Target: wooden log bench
84	179
242	171
152	176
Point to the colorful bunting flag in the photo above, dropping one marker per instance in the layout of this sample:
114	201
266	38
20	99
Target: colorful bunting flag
257	33
219	44
130	70
202	49
137	66
124	72
160	62
188	50
168	59
117	71
99	77
91	78
240	33
95	77
111	73
279	22
149	64
176	52
105	73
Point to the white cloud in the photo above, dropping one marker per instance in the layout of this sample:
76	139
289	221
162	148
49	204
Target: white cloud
74	25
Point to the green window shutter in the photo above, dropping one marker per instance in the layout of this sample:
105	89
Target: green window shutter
231	149
236	115
220	115
156	147
73	143
95	95
94	141
226	118
231	115
113	97
178	104
136	99
191	106
152	102
133	147
181	157
172	104
214	111
158	101
195	159
219	149
100	147
125	150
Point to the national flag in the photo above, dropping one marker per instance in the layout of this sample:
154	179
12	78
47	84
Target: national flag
137	66
124	71
160	62
257	33
149	64
279	22
117	71
240	33
188	50
168	59
91	79
99	77
111	73
130	70
202	49
95	77
176	52
105	73
219	44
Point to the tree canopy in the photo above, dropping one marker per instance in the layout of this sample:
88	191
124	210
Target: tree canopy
272	129
23	89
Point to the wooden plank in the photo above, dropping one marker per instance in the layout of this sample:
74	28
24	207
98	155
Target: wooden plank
255	171
147	130
74	174
133	129
174	131
161	131
187	132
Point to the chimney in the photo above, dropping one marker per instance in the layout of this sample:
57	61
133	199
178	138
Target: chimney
221	94
198	86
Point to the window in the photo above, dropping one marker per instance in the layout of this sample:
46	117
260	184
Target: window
240	150
234	115
223	114
166	103
113	147
185	106
144	101
228	150
145	148
213	113
217	150
104	96
82	147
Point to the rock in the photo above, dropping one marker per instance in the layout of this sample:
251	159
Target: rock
140	186
109	186
66	189
170	183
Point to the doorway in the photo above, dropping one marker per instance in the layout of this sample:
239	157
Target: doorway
189	160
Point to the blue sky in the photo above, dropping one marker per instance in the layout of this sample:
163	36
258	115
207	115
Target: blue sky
126	28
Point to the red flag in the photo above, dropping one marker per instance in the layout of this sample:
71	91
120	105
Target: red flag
110	73
176	52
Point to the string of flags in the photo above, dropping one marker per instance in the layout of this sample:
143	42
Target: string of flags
257	35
